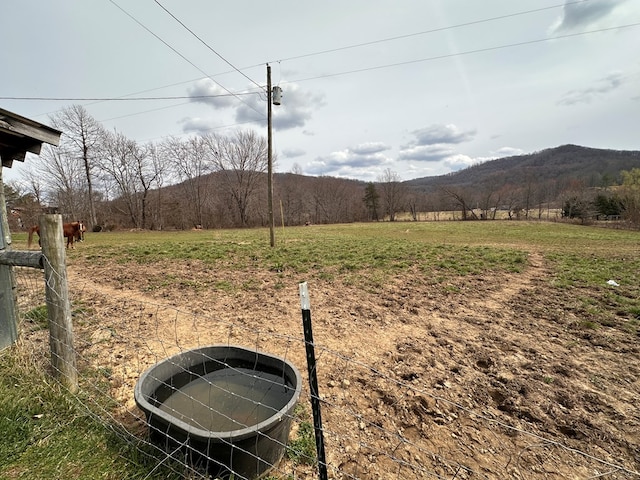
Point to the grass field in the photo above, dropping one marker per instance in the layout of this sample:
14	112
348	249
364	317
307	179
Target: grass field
48	435
367	254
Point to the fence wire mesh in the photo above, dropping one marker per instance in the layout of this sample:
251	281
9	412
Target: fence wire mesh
381	418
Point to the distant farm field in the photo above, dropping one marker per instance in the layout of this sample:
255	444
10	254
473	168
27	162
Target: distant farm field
534	324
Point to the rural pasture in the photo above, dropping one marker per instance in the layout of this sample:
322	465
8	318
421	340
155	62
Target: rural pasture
446	349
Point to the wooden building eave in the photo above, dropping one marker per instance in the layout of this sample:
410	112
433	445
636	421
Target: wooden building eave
19	135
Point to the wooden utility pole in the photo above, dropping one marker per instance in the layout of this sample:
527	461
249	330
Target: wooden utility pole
270	162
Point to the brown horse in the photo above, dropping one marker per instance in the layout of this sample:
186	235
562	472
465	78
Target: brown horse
81	232
71	231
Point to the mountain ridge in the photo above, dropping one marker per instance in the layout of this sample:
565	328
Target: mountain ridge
565	162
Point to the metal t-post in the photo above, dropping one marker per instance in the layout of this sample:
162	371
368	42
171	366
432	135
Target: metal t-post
313	380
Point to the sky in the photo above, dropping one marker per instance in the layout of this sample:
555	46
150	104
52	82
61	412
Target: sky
414	88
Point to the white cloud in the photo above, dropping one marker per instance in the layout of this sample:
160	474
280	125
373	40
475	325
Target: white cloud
435	143
359	158
586	95
293	152
426	153
210	93
506	152
197	125
296	109
584	14
369	148
439	133
459	161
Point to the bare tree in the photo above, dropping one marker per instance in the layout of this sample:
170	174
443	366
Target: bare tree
416	202
463	200
131	170
291	190
80	141
62	180
22	206
392	192
489	198
630	195
116	165
157	168
192	162
32	182
241	163
336	200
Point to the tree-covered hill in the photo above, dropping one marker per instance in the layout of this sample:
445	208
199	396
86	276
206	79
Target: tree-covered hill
592	166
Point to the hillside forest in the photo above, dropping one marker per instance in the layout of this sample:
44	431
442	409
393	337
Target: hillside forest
220	181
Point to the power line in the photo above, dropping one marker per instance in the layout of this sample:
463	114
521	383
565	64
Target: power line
377	67
182	56
354	46
468	52
425	32
319	53
126	98
207	45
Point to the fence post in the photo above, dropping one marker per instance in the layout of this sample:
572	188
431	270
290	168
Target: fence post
63	359
8	286
305	303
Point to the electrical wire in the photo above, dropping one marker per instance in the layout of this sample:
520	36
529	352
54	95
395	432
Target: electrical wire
126	98
321	52
425	32
261	89
206	44
399	37
182	56
377	67
468	52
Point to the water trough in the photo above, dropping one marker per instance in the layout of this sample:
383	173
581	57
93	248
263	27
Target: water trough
227	408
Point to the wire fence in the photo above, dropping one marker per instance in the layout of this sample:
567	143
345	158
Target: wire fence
378	421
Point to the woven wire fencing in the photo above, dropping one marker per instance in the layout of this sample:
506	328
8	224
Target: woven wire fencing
379	419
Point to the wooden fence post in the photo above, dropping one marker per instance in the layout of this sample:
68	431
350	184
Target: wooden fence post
63	359
8	303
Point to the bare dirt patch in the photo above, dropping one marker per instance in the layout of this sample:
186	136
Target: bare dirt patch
488	376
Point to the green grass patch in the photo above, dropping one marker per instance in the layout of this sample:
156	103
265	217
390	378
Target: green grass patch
586	276
582	259
38	316
47	433
302	448
326	252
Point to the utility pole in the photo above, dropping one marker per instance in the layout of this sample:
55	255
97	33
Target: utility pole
270	162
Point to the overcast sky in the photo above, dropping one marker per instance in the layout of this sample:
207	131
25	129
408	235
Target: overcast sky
419	87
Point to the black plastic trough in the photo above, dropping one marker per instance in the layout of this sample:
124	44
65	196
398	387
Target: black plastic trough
227	408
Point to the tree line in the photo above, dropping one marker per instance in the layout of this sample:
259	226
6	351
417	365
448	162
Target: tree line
209	181
220	181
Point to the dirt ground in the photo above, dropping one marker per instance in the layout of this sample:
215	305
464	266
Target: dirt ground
485	377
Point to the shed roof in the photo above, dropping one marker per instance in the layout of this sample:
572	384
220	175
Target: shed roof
19	135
